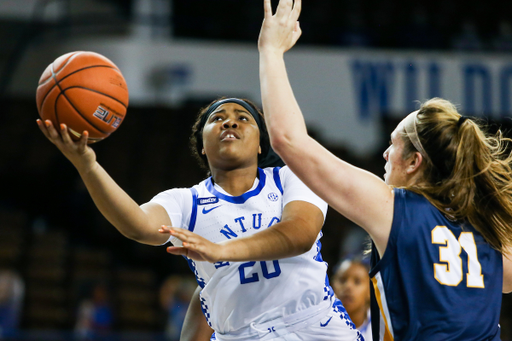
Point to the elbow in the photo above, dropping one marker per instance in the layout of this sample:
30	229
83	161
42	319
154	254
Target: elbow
280	143
305	244
140	237
134	235
302	249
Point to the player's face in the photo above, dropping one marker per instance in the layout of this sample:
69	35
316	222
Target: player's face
351	285
231	137
395	167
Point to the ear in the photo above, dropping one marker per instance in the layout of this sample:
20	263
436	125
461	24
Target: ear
259	150
414	163
203	152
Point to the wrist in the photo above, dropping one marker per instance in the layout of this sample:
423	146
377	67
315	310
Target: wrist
223	252
271	52
87	168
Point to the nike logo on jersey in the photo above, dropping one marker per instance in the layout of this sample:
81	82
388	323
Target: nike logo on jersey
205	211
326	323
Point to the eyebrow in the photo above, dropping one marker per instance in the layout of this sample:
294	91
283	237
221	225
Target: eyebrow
236	110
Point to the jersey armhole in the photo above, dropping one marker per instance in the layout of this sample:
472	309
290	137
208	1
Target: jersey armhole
193	214
277	179
398	216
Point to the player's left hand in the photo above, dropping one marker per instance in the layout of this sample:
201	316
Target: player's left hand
194	246
279	32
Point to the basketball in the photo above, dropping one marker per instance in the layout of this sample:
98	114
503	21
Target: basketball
85	91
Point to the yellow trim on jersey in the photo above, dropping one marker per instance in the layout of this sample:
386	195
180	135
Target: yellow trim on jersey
387	333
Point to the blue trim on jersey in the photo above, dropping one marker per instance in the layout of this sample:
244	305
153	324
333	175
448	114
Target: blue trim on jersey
277	179
242	198
193	215
192	266
318	256
328	291
340	309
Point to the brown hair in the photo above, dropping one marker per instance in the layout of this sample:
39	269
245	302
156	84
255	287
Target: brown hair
469	174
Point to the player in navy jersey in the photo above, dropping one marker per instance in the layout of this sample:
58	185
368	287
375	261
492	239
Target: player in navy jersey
441	222
264	278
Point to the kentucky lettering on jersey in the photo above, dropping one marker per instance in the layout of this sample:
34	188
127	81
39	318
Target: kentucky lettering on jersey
236	294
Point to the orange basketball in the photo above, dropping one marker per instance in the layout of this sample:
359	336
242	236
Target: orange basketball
84	90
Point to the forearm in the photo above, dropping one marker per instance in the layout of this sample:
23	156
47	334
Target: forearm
279	241
118	207
282	113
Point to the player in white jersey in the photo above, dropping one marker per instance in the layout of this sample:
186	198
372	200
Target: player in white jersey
236	295
262	277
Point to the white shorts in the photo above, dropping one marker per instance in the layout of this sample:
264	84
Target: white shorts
333	324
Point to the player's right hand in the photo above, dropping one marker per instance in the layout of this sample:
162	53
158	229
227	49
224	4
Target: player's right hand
193	246
280	31
78	152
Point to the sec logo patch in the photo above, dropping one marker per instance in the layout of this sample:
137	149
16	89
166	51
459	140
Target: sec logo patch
272	196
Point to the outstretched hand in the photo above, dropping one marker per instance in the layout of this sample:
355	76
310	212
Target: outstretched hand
280	31
78	152
194	246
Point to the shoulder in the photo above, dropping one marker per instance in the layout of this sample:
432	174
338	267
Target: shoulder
285	175
293	189
407	196
283	178
176	195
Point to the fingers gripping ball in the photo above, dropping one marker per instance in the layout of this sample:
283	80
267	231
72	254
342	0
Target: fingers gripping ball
86	91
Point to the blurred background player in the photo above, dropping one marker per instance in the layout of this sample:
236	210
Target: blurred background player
351	284
12	293
175	294
272	284
441	223
95	316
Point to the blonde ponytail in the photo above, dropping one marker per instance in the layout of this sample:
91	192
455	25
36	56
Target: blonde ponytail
468	175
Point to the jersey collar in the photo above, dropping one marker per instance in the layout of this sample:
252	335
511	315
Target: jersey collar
239	199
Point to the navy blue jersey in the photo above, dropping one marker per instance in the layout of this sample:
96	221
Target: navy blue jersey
438	279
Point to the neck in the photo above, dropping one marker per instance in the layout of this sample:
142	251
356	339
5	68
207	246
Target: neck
358	316
236	181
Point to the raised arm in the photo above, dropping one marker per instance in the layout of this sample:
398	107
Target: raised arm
295	234
357	194
140	223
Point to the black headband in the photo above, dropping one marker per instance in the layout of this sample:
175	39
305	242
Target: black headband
269	157
243	103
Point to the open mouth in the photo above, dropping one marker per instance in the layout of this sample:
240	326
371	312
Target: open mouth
229	136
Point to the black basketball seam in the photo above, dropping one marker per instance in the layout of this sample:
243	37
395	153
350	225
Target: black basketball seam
52	77
98	92
78	111
57	82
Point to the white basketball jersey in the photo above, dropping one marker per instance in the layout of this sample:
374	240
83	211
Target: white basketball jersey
236	294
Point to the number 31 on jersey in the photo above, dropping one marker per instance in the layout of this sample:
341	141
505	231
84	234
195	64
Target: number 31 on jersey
449	272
